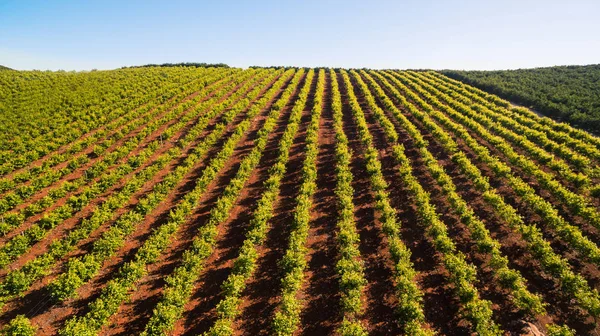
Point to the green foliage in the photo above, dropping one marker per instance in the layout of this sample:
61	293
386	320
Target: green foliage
410	297
511	279
65	286
556	330
53	109
168	310
350	267
182	64
469	117
46	175
575	284
293	263
181	282
568	93
19	326
81	270
352	328
123	146
551	216
244	265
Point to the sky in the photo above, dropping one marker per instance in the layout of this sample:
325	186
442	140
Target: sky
484	34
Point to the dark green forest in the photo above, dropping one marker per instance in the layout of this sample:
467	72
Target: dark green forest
565	93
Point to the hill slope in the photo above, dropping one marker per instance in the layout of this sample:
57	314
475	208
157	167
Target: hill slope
293	201
566	93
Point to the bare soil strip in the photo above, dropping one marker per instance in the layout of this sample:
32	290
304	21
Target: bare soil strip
200	313
63	228
92	289
143	144
379	291
505	313
512	245
89	150
134	315
260	297
321	293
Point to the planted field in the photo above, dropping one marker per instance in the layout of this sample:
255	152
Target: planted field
567	93
218	201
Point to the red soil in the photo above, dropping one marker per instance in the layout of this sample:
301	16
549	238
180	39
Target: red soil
320	293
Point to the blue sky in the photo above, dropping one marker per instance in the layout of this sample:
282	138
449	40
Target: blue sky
82	35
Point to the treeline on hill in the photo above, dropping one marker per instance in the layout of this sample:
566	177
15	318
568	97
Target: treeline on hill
565	93
2	67
182	64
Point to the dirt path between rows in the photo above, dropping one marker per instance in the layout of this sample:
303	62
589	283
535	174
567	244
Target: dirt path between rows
134	315
200	314
57	313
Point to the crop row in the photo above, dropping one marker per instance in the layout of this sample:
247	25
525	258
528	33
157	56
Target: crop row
509	120
56	99
573	235
410	296
523	117
108	158
139	89
245	263
579	139
551	262
181	282
533	142
508	278
111	129
577	203
118	288
349	267
21	243
23	102
293	263
462	274
46	176
90	118
521	167
81	270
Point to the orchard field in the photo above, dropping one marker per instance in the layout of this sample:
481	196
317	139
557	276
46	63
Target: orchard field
290	201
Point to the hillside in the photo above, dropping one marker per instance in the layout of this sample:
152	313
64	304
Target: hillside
565	93
182	64
2	67
288	201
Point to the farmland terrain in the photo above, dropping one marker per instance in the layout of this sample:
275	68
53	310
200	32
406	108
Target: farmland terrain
182	200
565	93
